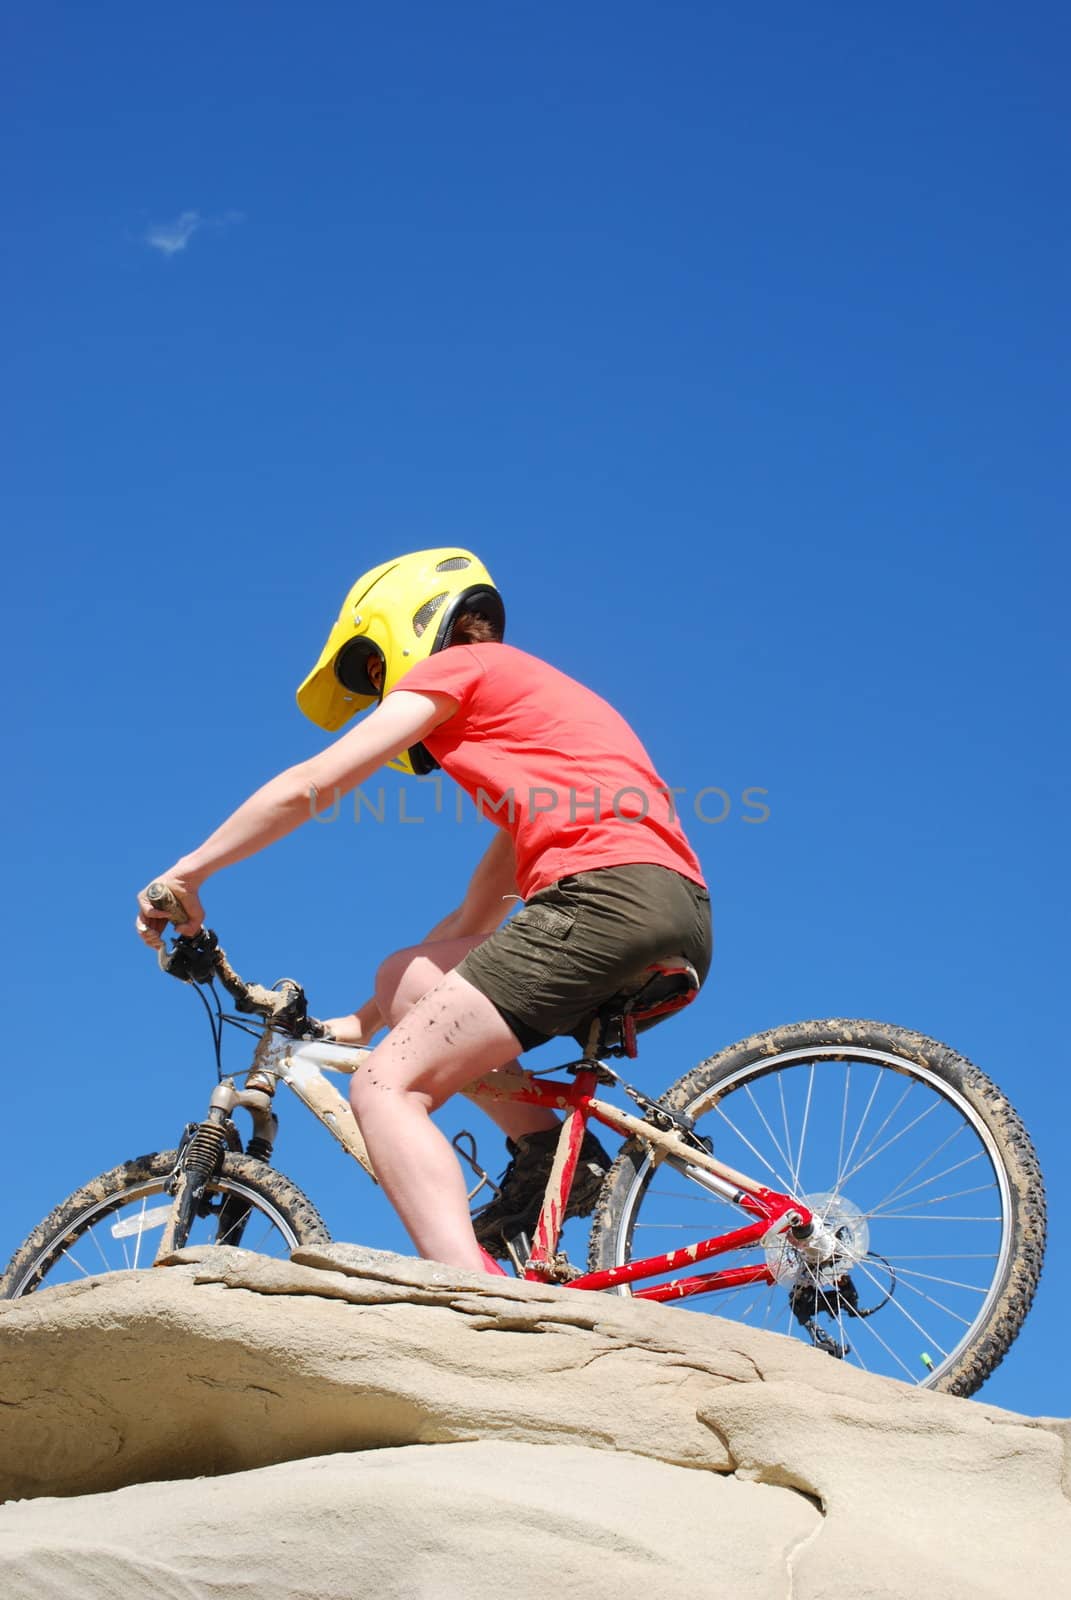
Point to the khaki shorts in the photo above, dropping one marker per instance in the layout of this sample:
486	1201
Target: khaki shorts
572	946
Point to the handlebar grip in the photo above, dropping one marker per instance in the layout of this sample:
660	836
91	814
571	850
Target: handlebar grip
166	902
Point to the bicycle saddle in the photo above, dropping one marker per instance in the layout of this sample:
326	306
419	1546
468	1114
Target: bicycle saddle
654	992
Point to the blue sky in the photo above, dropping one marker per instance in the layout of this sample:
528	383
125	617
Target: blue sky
734	339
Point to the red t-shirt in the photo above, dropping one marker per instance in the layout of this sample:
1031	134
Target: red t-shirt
553	763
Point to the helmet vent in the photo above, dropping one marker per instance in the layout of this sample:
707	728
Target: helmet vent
453	564
422	617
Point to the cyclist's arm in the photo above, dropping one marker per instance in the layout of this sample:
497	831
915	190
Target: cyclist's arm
485	902
296	794
484	906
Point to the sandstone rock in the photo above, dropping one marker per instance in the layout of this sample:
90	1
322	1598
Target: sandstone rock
227	1362
441	1521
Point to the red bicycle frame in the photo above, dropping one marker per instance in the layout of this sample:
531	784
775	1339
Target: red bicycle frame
771	1209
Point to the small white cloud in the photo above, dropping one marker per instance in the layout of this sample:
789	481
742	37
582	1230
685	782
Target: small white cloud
171	237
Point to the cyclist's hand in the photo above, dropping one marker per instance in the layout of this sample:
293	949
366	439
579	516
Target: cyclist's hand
358	1027
151	926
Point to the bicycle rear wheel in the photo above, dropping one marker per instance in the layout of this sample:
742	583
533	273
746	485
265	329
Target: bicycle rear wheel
114	1222
914	1159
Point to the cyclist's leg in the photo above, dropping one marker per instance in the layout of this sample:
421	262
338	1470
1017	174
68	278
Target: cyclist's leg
407	975
535	977
452	1035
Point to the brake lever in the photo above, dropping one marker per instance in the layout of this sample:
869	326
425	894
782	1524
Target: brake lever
192	958
293	1015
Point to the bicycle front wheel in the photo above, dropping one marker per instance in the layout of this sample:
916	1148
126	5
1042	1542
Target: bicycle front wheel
114	1222
910	1156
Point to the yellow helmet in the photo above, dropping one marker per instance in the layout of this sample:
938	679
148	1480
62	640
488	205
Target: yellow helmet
389	612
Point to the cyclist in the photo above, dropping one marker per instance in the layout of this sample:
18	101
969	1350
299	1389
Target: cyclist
587	838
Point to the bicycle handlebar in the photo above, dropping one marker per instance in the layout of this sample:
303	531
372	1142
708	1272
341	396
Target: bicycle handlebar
198	958
166	902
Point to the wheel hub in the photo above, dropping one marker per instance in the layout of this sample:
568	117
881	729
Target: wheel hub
840	1240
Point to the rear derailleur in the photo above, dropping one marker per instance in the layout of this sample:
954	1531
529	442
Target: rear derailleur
833	1300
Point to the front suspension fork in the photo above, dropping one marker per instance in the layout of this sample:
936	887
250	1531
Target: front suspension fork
200	1160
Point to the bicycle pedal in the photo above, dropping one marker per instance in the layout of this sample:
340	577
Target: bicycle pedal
556	1269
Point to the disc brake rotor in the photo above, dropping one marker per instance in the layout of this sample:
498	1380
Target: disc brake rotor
837	1216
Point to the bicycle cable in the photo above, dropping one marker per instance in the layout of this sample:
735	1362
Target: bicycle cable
241	1023
215	1022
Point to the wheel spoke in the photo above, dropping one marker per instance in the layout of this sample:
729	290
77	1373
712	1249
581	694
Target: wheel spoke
784	1120
99	1247
694	1195
900	1193
803	1131
855	1351
908	1216
899	1187
667	1227
889	1351
727	1296
894	1304
769	1305
73	1259
772	1136
966	1321
137	1236
968	1255
873	1156
939	1199
933	1277
845	1342
859	1130
786	1184
883	1125
843	1124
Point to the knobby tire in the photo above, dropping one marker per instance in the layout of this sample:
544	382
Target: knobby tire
273	1195
611	1242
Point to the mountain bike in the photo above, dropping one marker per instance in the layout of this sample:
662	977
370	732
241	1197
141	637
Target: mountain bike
893	1215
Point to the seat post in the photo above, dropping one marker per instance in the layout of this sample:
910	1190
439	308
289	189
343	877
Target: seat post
595	1048
656	991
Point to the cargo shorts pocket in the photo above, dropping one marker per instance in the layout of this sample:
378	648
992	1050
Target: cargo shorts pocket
547	919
